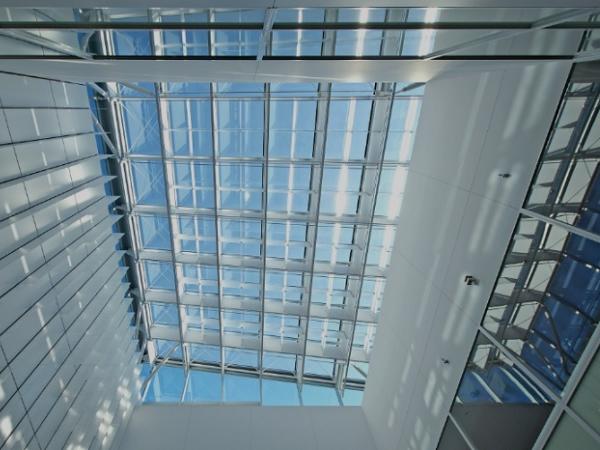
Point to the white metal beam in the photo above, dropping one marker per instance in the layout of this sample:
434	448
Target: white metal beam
300	4
412	71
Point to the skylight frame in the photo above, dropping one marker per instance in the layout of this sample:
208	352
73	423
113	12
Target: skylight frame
215	292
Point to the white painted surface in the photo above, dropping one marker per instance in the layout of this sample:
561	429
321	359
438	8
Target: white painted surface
234	427
62	302
456	219
260	71
302	3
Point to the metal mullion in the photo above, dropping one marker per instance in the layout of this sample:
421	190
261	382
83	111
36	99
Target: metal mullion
170	214
265	39
318	151
322	117
568	391
386	42
293	26
463	433
263	243
217	201
540	235
383	142
520	364
298	96
581	232
44	42
272	217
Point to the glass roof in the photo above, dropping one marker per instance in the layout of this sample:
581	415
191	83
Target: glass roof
264	218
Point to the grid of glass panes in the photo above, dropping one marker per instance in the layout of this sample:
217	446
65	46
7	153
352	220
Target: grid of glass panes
250	40
283	200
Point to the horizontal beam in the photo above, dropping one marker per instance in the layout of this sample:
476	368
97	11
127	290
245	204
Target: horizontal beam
325	26
299	4
364	58
323	70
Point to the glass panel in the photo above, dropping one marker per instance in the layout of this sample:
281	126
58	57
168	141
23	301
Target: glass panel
205	353
240	128
567	184
358	371
165	348
240	186
159	275
391	190
280	393
148	183
197	234
317	395
401	131
202	318
193	185
203	386
286	328
381	244
236	42
286	240
586	400
164	314
166	386
240	237
278	362
141	127
544	306
242	389
241	357
285	287
289	188
567	433
330	290
335	243
371	294
493	398
322	367
245	323
240	282
132	42
154	232
352	397
291	127
199	279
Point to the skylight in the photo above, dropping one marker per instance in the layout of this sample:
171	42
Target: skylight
262	215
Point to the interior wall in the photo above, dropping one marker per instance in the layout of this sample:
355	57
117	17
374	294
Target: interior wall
187	427
67	355
457	215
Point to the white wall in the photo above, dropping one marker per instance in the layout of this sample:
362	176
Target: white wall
456	219
231	427
67	371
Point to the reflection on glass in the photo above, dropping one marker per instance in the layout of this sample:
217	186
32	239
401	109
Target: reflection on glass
545	306
492	394
567	185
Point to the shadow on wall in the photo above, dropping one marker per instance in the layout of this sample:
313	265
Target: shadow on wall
456	222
